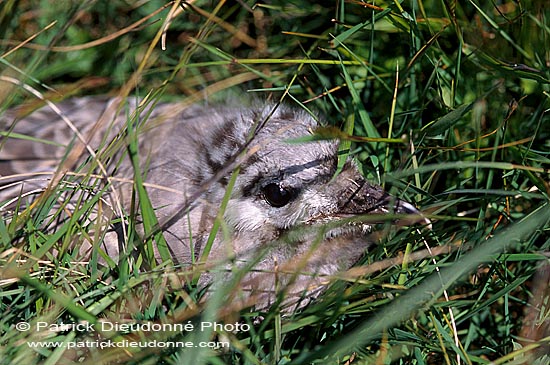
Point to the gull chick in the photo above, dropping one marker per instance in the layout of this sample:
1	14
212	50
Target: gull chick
287	217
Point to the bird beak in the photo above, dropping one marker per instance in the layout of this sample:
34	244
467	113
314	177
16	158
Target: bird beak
359	197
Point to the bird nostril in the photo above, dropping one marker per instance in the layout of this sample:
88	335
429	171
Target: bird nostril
277	196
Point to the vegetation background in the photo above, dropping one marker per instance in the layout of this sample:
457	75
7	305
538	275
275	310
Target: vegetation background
458	90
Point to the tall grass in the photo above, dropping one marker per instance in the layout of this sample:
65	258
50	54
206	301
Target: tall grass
459	94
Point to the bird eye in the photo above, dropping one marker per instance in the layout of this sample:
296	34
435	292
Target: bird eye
277	196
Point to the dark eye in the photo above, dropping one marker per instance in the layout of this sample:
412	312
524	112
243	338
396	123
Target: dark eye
277	196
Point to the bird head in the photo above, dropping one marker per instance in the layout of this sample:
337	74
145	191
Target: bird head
285	183
290	204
